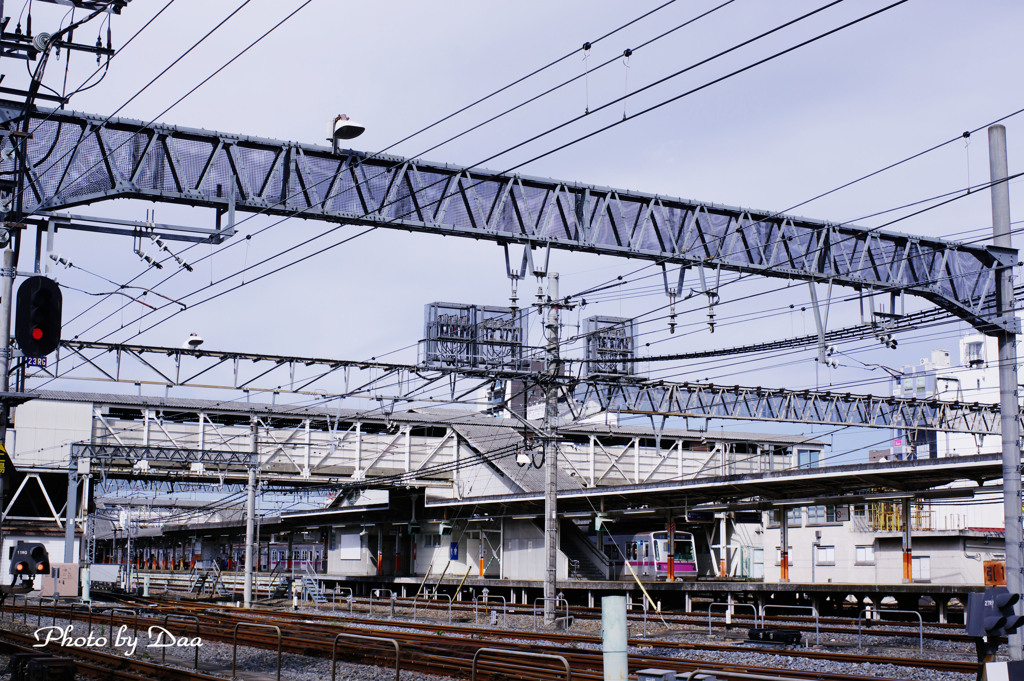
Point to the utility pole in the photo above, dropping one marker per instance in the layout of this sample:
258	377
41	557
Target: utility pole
551	371
1009	405
6	296
250	512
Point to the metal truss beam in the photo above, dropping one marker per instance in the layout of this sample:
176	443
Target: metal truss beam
773	404
77	159
587	395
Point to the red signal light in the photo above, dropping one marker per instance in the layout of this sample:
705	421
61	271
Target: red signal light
20	567
37	333
40	567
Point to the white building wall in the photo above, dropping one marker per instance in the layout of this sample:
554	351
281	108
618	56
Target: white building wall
940	557
348	553
523	554
45	430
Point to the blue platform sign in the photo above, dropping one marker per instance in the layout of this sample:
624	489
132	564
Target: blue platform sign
453	550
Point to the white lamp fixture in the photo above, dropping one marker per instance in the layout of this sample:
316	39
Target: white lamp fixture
343	128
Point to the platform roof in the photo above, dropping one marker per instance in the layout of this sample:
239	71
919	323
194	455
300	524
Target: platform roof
848	483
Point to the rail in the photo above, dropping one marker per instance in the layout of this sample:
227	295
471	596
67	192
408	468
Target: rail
728	608
504	607
427	600
556	600
695	674
180	618
254	625
518	653
920	625
334	651
817	634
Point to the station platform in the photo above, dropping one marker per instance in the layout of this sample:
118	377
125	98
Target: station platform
936	602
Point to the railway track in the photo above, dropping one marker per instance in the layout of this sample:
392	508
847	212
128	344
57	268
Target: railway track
440	649
826	625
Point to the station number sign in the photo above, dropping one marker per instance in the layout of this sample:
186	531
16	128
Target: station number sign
995	573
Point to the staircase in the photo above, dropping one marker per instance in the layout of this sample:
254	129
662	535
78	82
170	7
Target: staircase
311	587
199	581
196	580
585	560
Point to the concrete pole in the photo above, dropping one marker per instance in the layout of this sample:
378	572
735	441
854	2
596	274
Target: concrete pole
250	515
613	638
551	370
6	296
1009	405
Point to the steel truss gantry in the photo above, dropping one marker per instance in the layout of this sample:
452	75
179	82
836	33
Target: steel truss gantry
177	367
75	158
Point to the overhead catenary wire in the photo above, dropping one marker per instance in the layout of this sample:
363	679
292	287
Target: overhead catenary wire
500	90
736	72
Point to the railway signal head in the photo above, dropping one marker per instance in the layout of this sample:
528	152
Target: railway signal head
992	614
37	321
30	559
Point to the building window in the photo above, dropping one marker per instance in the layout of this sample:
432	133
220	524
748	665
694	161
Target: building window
866	555
794	517
974	353
808	458
825	555
820	515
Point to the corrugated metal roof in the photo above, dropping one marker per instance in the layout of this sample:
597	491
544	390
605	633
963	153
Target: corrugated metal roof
417	415
503	443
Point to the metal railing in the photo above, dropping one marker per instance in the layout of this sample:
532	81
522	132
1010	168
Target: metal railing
180	618
135	626
557	601
334	597
518	653
729	607
334	651
920	624
435	598
379	593
817	635
254	625
504	607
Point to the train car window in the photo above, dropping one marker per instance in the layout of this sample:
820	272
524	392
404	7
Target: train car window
684	551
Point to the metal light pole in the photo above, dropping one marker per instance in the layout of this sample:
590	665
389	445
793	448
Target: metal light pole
1009	405
551	371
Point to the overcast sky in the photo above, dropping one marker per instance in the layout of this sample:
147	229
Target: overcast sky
785	131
